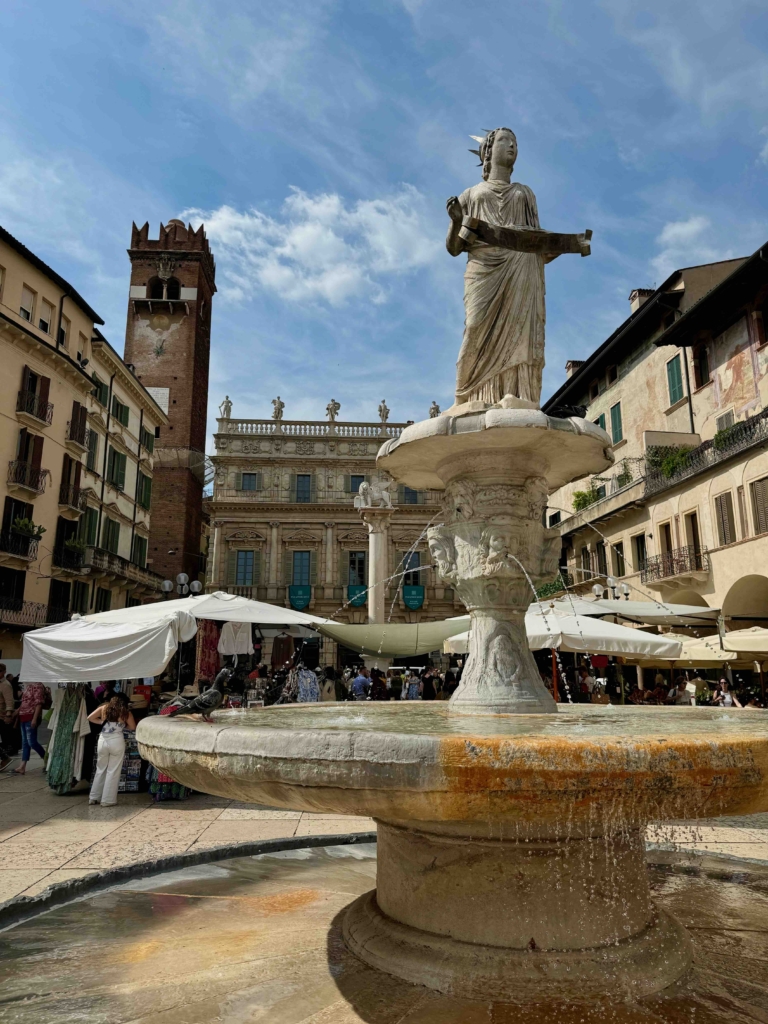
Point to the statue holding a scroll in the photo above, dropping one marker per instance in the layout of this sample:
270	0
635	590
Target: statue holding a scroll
497	224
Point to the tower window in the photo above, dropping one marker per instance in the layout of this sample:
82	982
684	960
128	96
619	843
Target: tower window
160	289
155	288
173	289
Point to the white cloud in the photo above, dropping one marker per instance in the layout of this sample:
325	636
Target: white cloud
686	243
320	249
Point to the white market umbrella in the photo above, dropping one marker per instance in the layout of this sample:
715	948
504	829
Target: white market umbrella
218	606
652	613
577	633
748	642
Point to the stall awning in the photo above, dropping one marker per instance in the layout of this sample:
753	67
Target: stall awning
219	606
395	639
92	649
652	613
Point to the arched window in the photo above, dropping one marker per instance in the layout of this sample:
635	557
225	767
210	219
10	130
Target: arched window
174	289
155	288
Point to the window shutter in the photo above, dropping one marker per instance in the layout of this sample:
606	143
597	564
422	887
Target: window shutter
25	378
313	488
93	449
401	494
724	515
78	471
121	463
313	567
674	380
760	505
347	483
258	481
75	418
238	481
83	420
256	568
344	568
45	389
287	568
37	452
292	487
231	568
65	470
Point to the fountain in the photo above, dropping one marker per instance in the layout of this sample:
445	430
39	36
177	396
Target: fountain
511	857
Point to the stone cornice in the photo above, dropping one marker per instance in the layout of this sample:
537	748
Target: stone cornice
60	362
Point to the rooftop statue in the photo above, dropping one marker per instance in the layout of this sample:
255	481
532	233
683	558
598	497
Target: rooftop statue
496	223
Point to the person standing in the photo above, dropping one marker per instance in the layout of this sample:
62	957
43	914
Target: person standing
113	718
7	705
725	697
30	712
361	684
428	686
411	687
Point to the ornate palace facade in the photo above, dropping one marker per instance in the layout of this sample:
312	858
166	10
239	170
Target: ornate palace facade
284	527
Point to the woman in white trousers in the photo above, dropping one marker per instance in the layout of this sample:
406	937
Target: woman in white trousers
113	717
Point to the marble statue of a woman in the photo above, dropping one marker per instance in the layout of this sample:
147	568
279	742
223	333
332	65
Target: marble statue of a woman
503	348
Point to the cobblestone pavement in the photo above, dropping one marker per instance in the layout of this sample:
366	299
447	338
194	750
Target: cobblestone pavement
45	838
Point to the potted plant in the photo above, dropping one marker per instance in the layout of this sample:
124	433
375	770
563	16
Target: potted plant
27	528
75	545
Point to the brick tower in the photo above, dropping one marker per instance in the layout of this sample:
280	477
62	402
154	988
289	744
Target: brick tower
168	340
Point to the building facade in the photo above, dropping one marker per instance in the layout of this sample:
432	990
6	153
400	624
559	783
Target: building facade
58	553
167	341
682	388
284	527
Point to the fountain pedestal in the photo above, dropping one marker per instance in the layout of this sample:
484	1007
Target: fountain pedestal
496	467
516	920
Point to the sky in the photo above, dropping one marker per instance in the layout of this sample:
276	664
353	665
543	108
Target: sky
318	141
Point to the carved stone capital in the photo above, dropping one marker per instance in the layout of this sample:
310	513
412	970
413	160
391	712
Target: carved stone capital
376	519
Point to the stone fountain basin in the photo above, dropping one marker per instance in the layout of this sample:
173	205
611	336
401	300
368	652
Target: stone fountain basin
586	767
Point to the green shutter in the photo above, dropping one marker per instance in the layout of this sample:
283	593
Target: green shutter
287	568
93	448
258	481
347	483
313	488
292	487
401	494
617	432
238	481
256	568
231	568
121	464
125	415
313	567
760	505
344	568
674	380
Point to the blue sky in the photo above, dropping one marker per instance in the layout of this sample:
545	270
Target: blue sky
319	141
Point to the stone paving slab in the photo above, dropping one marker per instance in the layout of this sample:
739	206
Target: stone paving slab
45	838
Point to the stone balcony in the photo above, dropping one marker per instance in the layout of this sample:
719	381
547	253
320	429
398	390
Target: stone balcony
17	550
310	428
114	569
25	479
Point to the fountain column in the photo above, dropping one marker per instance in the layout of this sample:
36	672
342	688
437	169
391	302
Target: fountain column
377	520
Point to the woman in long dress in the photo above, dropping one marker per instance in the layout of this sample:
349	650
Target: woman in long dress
503	348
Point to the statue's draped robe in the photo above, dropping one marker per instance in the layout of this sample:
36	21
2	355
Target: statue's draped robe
503	348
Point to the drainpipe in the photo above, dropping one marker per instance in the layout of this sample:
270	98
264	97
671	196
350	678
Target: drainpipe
64	295
136	488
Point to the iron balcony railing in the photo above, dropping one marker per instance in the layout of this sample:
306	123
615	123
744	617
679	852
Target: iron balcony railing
24	474
29	403
78	432
73	497
665	471
677	562
68	558
15	611
19	545
316	428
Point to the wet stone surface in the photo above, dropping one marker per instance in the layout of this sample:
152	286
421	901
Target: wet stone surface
256	939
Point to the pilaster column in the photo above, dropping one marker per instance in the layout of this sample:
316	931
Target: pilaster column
216	558
377	520
274	553
329	554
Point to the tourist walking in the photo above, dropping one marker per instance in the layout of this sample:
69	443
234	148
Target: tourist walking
113	718
30	712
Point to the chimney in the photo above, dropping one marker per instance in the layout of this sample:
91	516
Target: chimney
572	366
638	296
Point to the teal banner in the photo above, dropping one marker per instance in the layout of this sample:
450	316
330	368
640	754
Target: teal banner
299	597
357	594
413	597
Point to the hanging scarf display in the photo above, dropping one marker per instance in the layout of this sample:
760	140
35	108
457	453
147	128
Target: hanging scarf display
63	748
207	665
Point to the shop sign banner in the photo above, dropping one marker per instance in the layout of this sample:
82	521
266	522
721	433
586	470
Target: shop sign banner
299	597
357	594
413	597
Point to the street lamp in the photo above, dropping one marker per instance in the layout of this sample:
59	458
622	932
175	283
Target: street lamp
166	586
597	590
195	586
625	589
181	584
